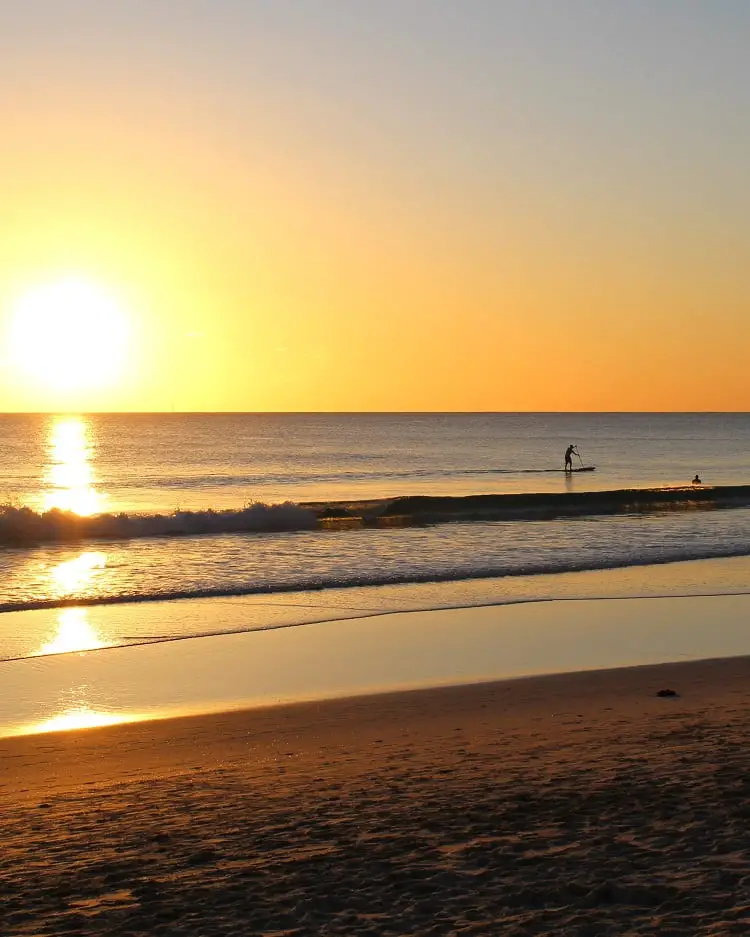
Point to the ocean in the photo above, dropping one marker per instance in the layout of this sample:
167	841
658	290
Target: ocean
176	488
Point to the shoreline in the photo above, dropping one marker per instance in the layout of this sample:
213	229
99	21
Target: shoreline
428	579
363	713
164	740
566	803
343	657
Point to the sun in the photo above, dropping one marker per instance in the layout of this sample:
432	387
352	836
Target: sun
69	335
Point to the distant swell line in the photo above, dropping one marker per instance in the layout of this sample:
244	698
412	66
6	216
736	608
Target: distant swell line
320	478
320	584
292	480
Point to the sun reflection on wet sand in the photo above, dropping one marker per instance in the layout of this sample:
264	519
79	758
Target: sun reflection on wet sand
69	476
81	717
74	633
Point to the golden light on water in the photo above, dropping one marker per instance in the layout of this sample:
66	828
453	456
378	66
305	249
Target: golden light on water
73	630
70	476
74	633
76	574
68	335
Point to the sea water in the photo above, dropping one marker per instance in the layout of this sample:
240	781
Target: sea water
145	470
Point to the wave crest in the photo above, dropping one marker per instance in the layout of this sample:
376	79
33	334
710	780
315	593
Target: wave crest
21	526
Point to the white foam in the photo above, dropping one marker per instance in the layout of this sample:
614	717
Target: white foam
22	526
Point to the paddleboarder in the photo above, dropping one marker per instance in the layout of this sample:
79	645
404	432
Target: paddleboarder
569	452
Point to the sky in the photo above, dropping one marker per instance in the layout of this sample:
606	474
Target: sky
498	205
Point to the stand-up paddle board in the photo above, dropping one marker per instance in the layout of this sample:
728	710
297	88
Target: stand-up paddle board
583	468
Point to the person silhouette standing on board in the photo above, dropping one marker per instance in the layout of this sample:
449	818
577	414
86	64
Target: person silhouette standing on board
569	457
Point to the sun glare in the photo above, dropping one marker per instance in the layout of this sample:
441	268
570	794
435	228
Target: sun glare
69	335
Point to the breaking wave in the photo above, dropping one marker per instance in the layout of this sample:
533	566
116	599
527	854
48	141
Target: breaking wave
23	526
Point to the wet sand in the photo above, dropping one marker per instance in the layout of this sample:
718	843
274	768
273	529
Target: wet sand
576	804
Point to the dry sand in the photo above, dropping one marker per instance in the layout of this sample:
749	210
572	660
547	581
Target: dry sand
577	804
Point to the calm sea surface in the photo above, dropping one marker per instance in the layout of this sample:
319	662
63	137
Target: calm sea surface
146	466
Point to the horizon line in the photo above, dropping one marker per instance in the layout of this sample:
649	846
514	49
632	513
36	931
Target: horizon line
12	413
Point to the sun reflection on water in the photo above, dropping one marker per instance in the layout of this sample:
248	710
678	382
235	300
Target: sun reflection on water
73	630
69	476
76	574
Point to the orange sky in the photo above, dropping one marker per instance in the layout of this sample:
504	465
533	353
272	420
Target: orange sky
331	207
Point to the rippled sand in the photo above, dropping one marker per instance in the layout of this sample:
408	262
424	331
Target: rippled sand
581	804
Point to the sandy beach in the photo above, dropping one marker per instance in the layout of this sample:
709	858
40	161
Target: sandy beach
574	804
